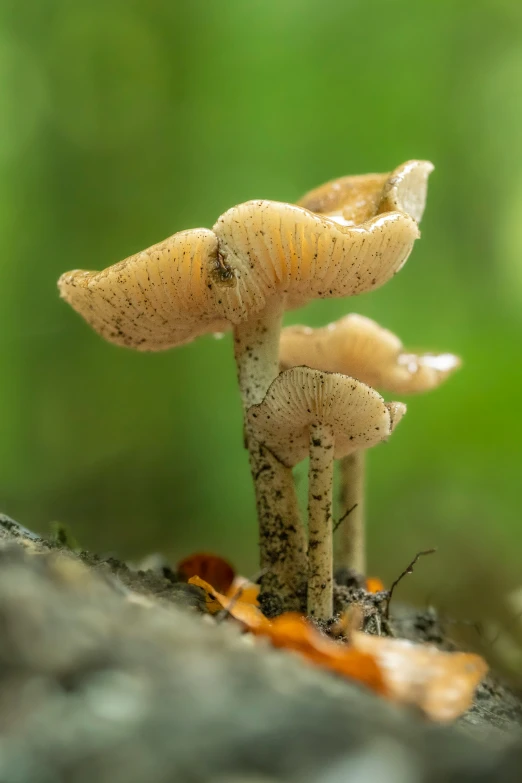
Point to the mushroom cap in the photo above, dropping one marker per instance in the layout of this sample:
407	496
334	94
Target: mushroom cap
302	397
163	296
281	250
357	346
352	200
259	253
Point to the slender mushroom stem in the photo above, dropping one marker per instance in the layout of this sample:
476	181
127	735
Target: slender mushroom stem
320	534
281	532
353	534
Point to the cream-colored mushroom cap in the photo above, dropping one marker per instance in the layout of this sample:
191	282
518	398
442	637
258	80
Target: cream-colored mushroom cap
358	346
161	297
282	251
261	255
192	283
352	200
344	238
302	397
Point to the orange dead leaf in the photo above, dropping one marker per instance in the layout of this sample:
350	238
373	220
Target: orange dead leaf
441	683
245	591
246	613
292	632
374	585
212	569
213	605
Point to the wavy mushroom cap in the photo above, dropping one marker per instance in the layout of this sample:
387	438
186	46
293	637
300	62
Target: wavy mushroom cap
260	255
357	346
302	397
161	297
353	200
344	238
281	250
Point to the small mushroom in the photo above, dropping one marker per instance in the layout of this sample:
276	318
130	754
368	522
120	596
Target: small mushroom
261	258
326	416
358	346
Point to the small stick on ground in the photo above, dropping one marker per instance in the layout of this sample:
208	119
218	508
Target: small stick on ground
227	611
407	570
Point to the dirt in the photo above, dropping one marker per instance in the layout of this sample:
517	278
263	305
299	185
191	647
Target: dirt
112	673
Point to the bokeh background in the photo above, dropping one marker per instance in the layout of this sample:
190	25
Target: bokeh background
124	122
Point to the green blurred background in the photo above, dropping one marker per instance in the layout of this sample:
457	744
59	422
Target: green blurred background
123	122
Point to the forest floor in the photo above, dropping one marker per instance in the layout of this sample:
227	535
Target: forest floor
108	674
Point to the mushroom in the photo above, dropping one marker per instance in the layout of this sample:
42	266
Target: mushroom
358	346
326	416
286	255
261	258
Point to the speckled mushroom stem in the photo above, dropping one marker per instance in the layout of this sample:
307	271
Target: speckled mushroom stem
353	533
320	532
282	540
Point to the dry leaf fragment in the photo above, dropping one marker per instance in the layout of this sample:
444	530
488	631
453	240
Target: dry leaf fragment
220	574
246	591
441	683
292	632
212	569
374	585
244	612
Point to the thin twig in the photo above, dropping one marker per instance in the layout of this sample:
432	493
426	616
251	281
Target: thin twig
407	570
227	611
445	619
507	629
346	514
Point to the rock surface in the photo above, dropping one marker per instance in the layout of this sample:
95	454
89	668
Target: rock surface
104	677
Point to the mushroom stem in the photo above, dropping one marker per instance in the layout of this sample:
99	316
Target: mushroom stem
320	533
282	542
353	534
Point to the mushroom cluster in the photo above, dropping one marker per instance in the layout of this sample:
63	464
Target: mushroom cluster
358	346
260	259
325	416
